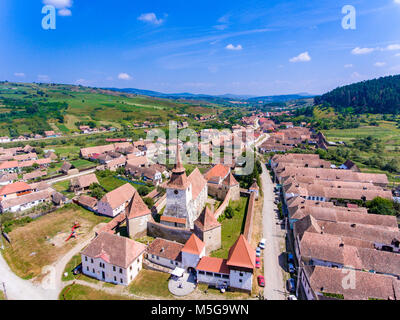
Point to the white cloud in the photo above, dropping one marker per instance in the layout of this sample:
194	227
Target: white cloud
19	74
393	47
397	54
397	1
61	5
348	65
65	12
234	48
302	57
43	78
150	18
223	23
380	64
124	76
358	50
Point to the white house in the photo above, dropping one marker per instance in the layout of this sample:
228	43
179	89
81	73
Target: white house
9	178
165	253
24	202
235	272
114	259
116	201
192	252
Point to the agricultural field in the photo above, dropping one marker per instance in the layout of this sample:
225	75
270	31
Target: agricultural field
384	150
34	108
43	241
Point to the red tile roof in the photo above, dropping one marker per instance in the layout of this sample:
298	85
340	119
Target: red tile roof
210	264
14	188
137	208
242	254
120	195
218	170
116	250
173	219
206	221
194	245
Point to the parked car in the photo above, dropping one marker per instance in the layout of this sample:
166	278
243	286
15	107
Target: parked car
258	263
290	258
77	270
261	281
291	268
291	285
258	252
292	297
262	244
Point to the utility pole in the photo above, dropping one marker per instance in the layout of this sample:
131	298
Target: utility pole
4	290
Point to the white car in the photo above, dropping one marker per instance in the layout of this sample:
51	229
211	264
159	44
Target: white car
258	252
292	297
262	244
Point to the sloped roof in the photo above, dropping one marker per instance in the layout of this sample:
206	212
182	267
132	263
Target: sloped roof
137	208
206	221
113	249
230	180
242	254
120	195
218	170
194	245
166	249
211	264
14	188
197	181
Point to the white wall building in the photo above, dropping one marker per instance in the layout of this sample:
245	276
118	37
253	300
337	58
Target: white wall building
114	259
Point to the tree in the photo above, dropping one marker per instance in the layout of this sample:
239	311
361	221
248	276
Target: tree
149	202
381	206
229	212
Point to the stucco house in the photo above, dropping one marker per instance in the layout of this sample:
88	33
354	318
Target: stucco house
116	201
114	259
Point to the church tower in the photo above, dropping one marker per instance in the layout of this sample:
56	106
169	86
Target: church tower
178	211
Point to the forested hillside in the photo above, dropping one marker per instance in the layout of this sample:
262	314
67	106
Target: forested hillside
373	96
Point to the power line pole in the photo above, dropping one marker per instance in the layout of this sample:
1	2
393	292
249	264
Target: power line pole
4	290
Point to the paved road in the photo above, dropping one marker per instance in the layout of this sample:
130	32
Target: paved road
273	273
49	288
19	289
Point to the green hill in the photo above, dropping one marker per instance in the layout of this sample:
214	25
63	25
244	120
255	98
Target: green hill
373	96
34	108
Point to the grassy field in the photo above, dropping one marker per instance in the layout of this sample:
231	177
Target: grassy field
151	284
80	292
232	228
389	136
89	104
82	164
63	187
42	242
110	183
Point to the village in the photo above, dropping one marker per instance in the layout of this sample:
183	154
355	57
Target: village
132	220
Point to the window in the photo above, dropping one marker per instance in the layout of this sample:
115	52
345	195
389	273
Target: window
120	270
172	262
115	278
130	268
225	276
122	281
87	268
240	281
94	271
114	268
152	256
209	274
85	258
91	260
201	272
241	274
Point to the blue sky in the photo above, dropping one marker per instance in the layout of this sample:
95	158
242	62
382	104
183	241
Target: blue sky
243	47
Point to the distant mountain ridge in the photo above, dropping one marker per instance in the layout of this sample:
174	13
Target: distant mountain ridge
215	98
